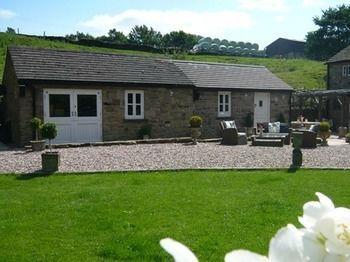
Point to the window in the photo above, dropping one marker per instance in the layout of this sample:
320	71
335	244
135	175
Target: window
59	105
87	105
346	70
224	104
134	104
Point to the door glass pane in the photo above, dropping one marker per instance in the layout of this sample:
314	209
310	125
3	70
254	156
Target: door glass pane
87	105
260	103
226	99
138	98
221	108
226	108
130	98
59	105
221	99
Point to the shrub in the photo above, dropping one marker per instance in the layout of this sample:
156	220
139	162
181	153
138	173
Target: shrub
324	127
49	132
145	130
347	135
196	121
36	124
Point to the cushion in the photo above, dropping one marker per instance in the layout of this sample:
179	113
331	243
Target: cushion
230	124
284	128
274	127
314	128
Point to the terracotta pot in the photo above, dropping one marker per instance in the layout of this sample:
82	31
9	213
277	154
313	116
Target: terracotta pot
38	145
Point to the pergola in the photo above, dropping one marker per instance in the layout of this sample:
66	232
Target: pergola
320	98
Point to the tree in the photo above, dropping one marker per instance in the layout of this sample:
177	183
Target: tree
117	36
179	40
333	34
10	30
142	35
79	36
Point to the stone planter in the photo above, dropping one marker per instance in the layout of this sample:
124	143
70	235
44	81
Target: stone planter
325	136
50	161
342	130
347	139
38	145
195	134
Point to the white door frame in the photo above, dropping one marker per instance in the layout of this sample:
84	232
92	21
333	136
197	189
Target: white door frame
264	115
73	122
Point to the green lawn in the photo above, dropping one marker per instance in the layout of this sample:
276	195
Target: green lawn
298	73
123	216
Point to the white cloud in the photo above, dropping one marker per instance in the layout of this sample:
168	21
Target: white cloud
280	19
315	3
6	14
264	5
215	24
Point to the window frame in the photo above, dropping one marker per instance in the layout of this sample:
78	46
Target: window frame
224	113
346	70
134	104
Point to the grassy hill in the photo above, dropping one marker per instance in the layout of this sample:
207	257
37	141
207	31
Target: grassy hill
298	73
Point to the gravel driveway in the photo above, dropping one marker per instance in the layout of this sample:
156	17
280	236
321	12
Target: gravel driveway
175	156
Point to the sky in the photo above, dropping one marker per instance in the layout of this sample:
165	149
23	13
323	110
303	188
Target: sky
256	21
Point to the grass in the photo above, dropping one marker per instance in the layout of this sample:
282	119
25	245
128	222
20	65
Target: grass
298	73
123	216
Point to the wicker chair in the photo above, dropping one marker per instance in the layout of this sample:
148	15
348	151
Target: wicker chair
231	136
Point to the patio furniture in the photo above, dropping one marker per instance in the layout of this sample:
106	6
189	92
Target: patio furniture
309	139
267	141
230	134
284	131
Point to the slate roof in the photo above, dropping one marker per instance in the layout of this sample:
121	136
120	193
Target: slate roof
50	64
60	65
343	55
220	75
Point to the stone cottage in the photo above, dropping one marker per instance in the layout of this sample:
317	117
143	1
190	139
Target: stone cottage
338	85
102	97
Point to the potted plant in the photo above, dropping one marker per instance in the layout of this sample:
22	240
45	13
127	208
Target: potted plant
324	132
50	160
347	137
37	145
195	125
249	122
145	132
342	131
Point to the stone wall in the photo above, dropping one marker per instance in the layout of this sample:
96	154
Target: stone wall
336	78
280	105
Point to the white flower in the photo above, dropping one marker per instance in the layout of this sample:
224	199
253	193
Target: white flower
315	210
180	252
335	227
289	245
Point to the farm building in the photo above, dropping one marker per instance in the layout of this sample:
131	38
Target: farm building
103	97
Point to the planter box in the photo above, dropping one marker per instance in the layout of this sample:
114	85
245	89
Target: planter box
38	145
50	161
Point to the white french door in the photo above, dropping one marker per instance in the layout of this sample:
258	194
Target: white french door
76	113
261	108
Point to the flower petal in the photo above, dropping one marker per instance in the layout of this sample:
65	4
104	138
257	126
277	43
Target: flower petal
336	258
313	246
244	256
286	245
335	227
315	210
180	252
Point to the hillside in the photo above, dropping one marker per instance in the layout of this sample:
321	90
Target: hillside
298	73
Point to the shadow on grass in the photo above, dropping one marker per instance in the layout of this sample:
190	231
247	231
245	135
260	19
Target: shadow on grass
36	174
293	169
